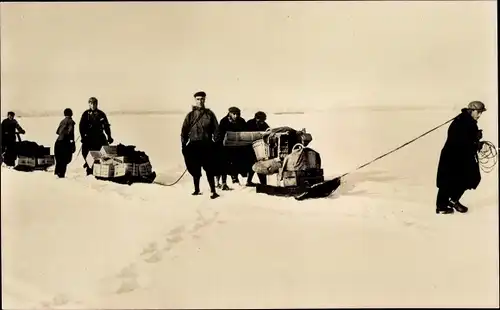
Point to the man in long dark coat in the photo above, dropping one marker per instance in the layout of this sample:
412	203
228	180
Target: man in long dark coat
231	158
198	143
458	168
9	127
65	143
258	123
93	124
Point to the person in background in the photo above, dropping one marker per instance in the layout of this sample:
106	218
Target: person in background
458	168
198	146
230	158
8	142
258	123
65	143
93	124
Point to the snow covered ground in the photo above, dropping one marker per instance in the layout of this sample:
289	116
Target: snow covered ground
83	243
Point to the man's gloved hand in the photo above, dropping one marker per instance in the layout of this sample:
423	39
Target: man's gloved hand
73	147
22	131
110	140
479	134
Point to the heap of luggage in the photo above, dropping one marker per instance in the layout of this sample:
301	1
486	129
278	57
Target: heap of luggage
121	163
32	156
284	157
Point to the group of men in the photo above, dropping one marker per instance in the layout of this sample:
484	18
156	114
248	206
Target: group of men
202	141
94	129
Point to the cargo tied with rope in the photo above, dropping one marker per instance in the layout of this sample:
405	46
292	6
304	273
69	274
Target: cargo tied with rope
32	156
121	164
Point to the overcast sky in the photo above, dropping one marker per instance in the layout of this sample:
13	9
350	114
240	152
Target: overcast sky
249	54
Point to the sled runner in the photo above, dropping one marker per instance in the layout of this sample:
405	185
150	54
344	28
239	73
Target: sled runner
318	190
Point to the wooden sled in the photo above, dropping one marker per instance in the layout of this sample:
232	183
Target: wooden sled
129	179
319	190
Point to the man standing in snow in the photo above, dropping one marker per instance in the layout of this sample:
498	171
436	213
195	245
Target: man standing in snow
230	159
65	143
458	168
93	124
198	146
9	127
258	123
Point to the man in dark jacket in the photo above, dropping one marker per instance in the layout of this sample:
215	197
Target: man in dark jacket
258	123
198	146
458	168
65	143
231	159
93	124
9	127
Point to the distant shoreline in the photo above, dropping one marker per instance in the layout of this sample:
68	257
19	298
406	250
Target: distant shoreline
378	108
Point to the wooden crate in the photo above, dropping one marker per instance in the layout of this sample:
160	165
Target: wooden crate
273	180
123	169
243	138
122	159
302	177
109	150
26	161
103	170
145	169
46	161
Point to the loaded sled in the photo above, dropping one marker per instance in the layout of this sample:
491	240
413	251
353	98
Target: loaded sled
31	156
121	164
292	169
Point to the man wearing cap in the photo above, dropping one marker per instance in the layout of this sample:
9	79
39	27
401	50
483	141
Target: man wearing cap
231	159
93	124
258	123
9	127
64	146
458	168
198	146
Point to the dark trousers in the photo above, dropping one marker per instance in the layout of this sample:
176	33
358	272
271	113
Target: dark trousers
63	152
9	153
200	155
445	195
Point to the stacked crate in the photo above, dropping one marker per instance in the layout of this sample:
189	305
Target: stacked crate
107	164
38	158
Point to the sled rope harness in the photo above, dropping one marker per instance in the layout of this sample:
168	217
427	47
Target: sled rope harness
399	147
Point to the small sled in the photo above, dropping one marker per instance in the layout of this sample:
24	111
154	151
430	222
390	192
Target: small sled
318	190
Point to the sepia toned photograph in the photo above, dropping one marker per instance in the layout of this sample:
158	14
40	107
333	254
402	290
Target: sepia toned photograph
249	154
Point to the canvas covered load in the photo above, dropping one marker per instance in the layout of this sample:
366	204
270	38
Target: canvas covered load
119	161
33	156
277	142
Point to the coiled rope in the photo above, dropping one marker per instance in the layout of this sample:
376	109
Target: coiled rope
487	156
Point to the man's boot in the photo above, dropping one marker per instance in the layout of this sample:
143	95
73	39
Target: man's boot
458	206
196	182
444	210
211	182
